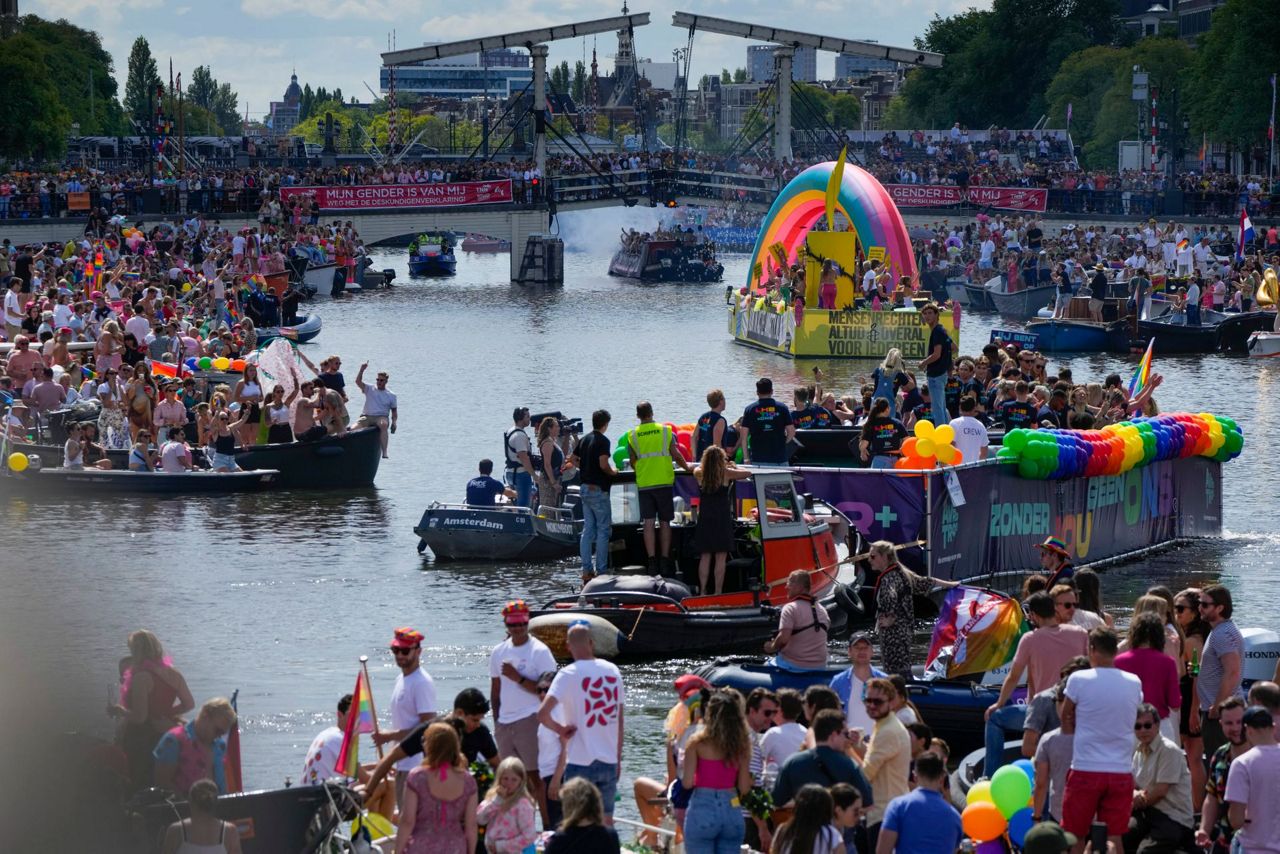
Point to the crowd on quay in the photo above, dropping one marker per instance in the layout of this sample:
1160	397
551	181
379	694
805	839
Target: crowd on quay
116	319
1144	736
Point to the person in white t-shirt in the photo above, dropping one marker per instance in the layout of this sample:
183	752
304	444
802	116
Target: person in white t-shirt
1100	709
175	456
1253	785
591	693
514	668
322	756
379	409
783	739
413	700
971	434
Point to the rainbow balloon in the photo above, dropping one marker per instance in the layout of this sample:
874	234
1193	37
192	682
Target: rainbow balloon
862	199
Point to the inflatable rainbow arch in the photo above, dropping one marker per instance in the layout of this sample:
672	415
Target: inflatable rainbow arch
863	201
875	230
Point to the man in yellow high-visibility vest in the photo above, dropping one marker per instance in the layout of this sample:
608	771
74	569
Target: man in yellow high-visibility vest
652	450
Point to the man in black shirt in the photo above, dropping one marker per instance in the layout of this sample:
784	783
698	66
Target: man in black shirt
1019	412
469	709
1054	413
768	424
937	364
597	473
1098	286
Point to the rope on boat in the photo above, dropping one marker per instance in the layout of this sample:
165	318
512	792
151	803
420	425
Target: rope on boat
636	625
827	570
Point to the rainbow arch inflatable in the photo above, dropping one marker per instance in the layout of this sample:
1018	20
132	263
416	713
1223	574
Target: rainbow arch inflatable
863	200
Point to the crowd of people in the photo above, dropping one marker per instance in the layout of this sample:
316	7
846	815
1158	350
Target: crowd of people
852	766
117	321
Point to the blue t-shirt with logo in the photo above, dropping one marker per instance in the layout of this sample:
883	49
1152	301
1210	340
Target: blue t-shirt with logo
766	422
482	490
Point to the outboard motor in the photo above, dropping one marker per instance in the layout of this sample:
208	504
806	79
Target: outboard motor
339	282
387	275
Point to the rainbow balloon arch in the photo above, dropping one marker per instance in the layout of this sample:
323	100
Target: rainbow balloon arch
875	230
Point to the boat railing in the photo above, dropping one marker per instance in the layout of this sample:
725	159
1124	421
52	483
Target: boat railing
620	597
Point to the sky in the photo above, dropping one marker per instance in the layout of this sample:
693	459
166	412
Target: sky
255	44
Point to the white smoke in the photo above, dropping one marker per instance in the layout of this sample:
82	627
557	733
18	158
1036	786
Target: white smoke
598	230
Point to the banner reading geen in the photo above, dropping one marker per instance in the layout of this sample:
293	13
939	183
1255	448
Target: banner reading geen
381	196
942	195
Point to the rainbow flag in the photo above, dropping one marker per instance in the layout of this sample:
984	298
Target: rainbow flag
1143	374
1183	244
978	628
359	720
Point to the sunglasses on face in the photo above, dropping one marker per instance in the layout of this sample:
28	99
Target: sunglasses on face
1147	725
1205	603
874	701
769	713
400	650
1181	608
1068	605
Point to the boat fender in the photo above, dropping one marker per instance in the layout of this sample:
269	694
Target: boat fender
849	601
553	629
330	451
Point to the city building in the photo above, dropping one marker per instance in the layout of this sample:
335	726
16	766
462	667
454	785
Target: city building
1193	17
850	66
736	102
804	66
661	75
497	74
286	113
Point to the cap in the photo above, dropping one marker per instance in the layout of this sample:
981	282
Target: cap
407	638
690	683
515	613
860	637
1258	717
1055	545
1047	838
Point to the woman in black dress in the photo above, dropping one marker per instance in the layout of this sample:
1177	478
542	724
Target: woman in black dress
714	534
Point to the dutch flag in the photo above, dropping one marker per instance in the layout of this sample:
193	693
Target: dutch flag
1246	233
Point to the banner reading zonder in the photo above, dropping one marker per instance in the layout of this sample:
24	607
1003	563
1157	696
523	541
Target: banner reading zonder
942	195
381	196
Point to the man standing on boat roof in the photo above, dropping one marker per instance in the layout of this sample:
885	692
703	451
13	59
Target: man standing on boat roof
653	450
769	427
515	447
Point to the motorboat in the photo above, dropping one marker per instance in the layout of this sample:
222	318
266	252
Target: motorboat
432	255
953	708
1217	330
1076	331
348	461
90	481
482	243
979	294
1020	304
634	614
464	532
668	260
305	329
1264	345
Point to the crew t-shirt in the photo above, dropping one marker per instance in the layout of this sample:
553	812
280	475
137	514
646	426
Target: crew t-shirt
592	696
482	490
971	437
1106	699
766	421
531	658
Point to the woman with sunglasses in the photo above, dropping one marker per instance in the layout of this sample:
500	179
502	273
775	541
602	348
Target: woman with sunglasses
248	394
1195	630
224	440
141	457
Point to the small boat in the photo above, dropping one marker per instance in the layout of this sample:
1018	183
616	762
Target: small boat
953	709
958	291
349	461
306	329
1217	331
1234	332
1264	345
636	615
1069	335
666	261
1021	304
432	255
318	278
116	481
482	243
460	532
980	294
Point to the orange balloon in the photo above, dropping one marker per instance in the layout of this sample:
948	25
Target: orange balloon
982	821
909	447
237	364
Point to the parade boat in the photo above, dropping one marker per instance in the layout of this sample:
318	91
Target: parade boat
482	243
759	318
953	708
462	532
979	294
1264	345
665	259
1077	332
348	461
634	615
1022	303
305	329
1216	331
90	481
432	255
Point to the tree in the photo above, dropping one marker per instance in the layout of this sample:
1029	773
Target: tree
1084	80
81	70
1167	61
560	78
37	123
739	75
225	109
726	76
217	99
141	84
579	89
306	102
1229	90
203	88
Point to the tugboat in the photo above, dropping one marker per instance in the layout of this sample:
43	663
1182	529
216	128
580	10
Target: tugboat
665	257
634	615
432	255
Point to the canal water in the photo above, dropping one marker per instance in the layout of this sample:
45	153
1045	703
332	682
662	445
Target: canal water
277	596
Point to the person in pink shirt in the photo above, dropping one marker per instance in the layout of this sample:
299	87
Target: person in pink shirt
1147	660
169	412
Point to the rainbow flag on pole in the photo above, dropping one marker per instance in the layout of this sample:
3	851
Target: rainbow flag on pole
1143	374
359	720
978	628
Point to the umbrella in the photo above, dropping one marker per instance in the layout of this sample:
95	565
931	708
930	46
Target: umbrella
922	233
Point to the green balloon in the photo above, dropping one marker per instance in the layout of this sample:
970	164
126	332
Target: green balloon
624	441
1028	468
205	363
1234	442
1010	790
1016	440
1006	454
619	457
737	455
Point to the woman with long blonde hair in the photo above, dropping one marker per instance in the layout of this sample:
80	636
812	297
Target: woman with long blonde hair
508	812
713	536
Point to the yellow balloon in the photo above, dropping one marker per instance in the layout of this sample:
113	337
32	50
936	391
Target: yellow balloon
979	792
186	287
18	462
925	447
924	430
946	454
944	435
222	363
